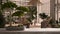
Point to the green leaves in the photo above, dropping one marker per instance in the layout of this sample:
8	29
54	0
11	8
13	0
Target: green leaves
20	11
22	8
2	20
9	5
33	12
43	15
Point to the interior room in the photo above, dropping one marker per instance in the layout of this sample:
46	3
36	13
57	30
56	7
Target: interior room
29	14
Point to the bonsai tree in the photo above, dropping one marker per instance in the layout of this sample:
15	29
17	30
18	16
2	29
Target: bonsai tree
20	11
32	13
49	20
9	5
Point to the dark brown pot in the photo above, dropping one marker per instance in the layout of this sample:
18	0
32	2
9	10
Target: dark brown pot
27	25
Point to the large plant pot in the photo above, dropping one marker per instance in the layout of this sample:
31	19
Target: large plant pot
27	25
11	28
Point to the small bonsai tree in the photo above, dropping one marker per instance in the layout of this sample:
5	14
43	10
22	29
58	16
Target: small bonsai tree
32	13
20	11
9	5
50	21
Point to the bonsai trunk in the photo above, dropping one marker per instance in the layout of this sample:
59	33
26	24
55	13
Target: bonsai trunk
10	22
20	22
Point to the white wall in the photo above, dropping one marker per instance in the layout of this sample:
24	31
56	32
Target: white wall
46	6
21	2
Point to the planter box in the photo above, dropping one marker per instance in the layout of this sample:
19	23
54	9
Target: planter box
11	28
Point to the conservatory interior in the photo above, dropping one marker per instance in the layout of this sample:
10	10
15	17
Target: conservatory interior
22	14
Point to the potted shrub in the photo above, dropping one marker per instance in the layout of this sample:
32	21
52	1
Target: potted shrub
32	14
9	5
48	19
20	13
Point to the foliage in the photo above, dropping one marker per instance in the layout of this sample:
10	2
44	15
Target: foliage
32	12
22	8
20	11
43	15
2	20
9	4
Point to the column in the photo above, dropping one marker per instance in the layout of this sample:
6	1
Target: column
52	9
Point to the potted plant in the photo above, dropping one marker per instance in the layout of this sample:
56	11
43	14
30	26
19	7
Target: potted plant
32	14
9	5
48	19
20	13
44	23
